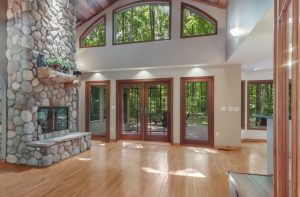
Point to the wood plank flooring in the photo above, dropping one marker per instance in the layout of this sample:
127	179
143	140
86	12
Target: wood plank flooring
135	169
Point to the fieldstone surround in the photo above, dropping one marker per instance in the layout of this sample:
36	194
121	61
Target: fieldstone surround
37	26
50	151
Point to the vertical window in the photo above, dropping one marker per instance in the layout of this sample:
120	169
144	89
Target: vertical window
195	22
94	36
142	22
260	103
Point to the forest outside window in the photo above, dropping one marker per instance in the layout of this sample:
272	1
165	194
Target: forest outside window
95	35
142	22
260	104
195	22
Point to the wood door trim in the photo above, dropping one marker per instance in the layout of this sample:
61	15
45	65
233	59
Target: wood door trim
210	80
295	104
88	84
243	107
119	84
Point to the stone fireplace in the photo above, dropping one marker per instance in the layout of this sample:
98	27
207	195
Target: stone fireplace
36	27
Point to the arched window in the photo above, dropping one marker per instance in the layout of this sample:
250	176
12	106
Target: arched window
142	22
195	22
94	36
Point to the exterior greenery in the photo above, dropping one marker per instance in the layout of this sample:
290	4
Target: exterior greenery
195	23
260	97
196	103
95	37
142	22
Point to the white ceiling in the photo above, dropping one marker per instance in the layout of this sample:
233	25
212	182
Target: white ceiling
256	51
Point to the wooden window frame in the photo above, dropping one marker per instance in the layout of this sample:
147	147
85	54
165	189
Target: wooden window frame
243	104
201	12
88	84
248	101
211	132
129	5
90	28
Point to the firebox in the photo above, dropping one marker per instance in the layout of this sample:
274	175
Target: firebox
53	118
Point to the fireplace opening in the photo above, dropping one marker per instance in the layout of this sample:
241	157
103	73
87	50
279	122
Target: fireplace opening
53	118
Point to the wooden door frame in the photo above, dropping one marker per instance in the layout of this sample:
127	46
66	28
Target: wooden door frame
211	134
119	84
281	145
88	84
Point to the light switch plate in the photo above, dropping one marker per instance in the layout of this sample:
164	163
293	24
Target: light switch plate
223	108
230	109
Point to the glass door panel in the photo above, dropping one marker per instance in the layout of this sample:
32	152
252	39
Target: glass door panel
97	121
131	110
196	111
157	111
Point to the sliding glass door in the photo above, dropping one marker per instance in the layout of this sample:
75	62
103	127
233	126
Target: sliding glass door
197	111
98	109
144	110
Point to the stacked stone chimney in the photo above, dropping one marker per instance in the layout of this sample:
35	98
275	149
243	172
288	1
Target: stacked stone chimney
36	27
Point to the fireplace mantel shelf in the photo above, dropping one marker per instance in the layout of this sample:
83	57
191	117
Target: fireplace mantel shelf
48	76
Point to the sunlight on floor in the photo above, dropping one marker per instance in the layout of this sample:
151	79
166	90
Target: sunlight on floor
189	172
203	150
84	159
102	144
132	145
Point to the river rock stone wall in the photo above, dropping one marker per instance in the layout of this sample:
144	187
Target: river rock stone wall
36	26
46	156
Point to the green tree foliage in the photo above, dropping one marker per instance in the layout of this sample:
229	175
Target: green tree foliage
260	103
196	103
196	24
146	22
96	37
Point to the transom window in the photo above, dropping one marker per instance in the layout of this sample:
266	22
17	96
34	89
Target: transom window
195	22
142	22
95	35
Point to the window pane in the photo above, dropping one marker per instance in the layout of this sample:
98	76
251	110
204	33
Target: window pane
139	23
260	97
196	23
196	99
95	37
162	22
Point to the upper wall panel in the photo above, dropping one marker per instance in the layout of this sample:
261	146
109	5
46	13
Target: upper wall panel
174	52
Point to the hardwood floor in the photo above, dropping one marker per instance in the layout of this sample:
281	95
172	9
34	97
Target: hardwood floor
135	169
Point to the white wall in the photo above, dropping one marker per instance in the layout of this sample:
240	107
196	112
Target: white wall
248	76
244	15
227	93
201	50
